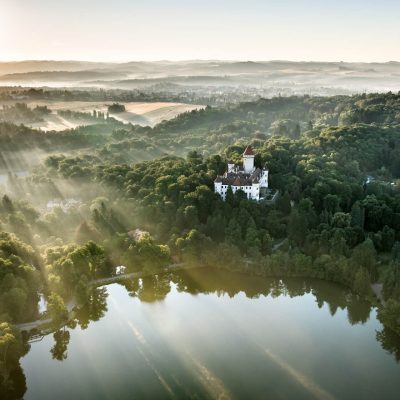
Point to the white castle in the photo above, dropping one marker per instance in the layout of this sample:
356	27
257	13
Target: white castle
253	181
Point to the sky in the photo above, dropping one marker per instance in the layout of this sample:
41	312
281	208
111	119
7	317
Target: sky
123	30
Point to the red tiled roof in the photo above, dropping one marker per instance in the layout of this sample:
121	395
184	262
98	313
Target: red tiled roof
248	151
236	182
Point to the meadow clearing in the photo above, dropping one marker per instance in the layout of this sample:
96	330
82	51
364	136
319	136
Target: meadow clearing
137	113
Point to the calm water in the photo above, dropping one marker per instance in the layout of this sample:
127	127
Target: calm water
209	334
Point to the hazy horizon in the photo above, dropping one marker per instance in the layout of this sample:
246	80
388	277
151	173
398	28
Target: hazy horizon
295	30
183	60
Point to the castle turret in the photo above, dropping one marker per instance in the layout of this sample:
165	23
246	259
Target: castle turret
264	177
248	160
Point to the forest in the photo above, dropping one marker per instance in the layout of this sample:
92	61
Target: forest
117	194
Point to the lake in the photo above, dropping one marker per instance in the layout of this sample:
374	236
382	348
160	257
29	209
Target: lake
206	333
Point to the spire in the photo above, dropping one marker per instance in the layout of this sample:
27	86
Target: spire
248	151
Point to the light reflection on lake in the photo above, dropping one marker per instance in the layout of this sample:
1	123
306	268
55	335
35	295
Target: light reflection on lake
214	334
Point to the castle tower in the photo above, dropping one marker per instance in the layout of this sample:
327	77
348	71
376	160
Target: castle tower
248	160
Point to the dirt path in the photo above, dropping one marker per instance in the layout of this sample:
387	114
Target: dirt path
278	245
28	326
112	279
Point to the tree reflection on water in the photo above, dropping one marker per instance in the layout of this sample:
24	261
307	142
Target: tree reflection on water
201	281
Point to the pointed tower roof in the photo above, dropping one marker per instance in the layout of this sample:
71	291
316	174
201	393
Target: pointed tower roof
248	151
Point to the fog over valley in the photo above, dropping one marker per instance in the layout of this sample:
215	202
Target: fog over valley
259	78
199	200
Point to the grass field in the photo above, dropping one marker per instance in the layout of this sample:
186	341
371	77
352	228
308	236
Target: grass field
145	114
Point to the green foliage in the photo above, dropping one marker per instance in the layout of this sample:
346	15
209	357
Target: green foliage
20	113
144	254
19	279
56	309
116	108
69	266
12	348
334	161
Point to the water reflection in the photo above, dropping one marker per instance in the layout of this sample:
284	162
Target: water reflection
390	342
207	281
154	290
15	385
61	342
92	308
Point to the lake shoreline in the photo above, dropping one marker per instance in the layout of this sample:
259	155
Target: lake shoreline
373	299
195	323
